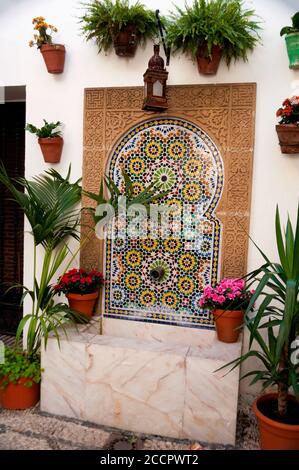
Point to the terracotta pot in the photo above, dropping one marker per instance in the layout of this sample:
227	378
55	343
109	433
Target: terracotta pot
54	56
51	148
83	303
208	66
18	396
275	435
228	324
288	135
125	42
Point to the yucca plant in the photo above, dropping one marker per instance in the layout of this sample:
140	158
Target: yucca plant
277	290
208	23
105	19
50	203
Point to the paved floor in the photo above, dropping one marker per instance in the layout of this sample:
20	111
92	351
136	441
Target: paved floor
34	430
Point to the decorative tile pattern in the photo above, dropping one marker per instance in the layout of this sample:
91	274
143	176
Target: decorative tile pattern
184	161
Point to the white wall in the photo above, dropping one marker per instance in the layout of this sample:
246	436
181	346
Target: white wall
275	177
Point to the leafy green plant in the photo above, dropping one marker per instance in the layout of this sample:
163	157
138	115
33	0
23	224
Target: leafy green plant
291	29
50	203
278	314
46	131
17	365
117	197
104	19
209	23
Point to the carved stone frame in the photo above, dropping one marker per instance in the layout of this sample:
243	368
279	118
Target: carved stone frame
225	112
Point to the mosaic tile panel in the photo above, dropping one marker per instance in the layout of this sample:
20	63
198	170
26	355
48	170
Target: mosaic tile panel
182	159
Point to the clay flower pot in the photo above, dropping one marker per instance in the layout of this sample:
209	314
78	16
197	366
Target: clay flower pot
51	148
54	56
125	42
83	303
288	135
292	43
228	324
208	66
18	396
273	434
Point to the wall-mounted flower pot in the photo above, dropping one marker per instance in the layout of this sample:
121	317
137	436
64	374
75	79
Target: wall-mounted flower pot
208	66
125	42
288	135
275	435
18	396
83	303
228	323
292	42
54	56
51	148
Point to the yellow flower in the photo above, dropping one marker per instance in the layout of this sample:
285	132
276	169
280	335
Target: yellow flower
133	258
169	299
147	298
186	285
149	244
132	281
187	262
172	244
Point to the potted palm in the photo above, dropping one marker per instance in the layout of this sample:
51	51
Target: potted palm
50	204
53	54
292	41
277	289
81	288
119	24
49	139
288	127
228	301
211	29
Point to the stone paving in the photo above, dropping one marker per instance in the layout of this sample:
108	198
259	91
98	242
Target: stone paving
33	430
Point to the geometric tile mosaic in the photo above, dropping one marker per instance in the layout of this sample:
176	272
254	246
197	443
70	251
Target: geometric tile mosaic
181	159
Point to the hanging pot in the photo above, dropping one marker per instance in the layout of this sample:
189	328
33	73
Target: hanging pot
292	43
208	66
51	148
288	135
54	56
83	303
228	323
125	42
275	435
18	396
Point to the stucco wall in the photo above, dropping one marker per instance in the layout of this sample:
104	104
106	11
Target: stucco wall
275	176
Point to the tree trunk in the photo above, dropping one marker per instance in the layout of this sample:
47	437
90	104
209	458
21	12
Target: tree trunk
283	388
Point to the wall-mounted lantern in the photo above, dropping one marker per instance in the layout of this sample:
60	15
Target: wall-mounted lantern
155	79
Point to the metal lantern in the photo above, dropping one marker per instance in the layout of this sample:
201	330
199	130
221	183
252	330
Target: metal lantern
155	79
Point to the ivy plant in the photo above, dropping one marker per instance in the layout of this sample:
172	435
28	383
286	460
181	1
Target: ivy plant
18	364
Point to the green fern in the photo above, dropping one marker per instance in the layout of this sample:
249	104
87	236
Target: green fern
214	22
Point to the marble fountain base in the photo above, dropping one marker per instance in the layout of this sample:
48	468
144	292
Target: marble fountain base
151	387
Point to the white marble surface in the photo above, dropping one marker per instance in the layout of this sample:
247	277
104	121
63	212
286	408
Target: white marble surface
143	386
158	332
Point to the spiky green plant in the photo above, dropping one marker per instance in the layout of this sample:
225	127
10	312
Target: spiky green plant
206	23
291	29
278	314
49	202
104	19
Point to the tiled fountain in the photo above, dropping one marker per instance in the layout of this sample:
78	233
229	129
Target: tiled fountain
153	368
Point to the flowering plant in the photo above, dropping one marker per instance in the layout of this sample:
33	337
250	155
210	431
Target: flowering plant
229	294
45	31
79	281
289	113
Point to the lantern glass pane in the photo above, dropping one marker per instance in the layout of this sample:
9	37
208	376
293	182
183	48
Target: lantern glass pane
158	88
